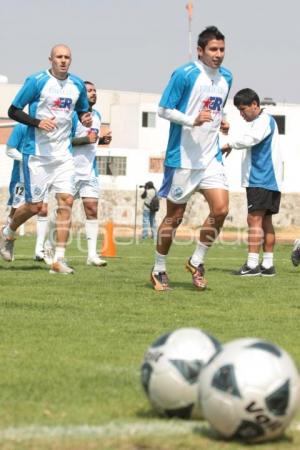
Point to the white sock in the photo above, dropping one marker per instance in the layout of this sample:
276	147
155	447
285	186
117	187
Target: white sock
199	254
8	233
59	253
41	231
91	231
252	260
160	263
267	261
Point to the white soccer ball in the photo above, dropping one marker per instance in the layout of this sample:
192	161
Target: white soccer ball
171	369
250	390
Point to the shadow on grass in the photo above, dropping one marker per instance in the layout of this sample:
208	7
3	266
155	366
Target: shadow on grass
24	268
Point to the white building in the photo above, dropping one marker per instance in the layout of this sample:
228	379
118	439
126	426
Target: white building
140	137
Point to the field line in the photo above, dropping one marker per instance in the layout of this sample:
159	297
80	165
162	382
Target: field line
109	430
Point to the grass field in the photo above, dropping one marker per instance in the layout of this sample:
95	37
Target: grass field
71	346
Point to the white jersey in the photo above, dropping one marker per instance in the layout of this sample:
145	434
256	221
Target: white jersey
192	88
49	97
85	155
262	164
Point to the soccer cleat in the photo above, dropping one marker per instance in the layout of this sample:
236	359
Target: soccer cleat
246	271
6	247
48	253
270	272
295	256
39	257
96	261
199	281
61	266
160	281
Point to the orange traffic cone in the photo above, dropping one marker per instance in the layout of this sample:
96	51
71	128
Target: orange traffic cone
109	247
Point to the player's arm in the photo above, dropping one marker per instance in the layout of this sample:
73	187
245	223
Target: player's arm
91	138
13	153
26	95
171	98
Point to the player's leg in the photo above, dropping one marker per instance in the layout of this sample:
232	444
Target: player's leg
146	222
62	184
267	266
255	242
165	236
90	205
218	202
41	232
153	227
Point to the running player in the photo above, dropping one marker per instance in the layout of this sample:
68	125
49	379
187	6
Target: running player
85	143
262	171
14	147
52	97
193	102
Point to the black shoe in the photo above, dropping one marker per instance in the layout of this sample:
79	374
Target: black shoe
271	272
246	271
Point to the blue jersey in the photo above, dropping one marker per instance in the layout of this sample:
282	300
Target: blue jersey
16	140
262	164
49	97
85	155
192	88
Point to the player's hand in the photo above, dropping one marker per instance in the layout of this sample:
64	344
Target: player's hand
93	137
106	139
203	116
48	124
86	119
226	150
224	127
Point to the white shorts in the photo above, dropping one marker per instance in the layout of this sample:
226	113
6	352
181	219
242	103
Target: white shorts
17	198
44	174
180	184
87	188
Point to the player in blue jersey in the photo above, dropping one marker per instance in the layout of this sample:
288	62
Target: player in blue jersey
14	147
193	102
52	96
85	141
262	171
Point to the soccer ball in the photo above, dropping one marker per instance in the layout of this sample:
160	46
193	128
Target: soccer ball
250	390
171	368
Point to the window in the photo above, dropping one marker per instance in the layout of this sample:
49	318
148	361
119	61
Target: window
156	165
280	120
148	119
111	165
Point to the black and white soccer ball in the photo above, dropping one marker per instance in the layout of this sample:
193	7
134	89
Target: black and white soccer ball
250	390
171	369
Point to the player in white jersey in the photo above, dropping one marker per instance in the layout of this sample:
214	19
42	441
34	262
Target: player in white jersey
52	96
85	143
262	171
193	102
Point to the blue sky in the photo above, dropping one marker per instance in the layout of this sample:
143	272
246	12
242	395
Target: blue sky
134	45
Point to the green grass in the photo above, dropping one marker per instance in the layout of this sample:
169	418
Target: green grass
71	346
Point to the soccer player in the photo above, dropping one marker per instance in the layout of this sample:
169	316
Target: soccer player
262	177
193	102
14	147
85	141
52	96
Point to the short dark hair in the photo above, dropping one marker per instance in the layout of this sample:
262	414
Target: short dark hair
208	34
246	97
89	82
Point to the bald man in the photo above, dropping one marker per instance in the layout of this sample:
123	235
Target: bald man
51	96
